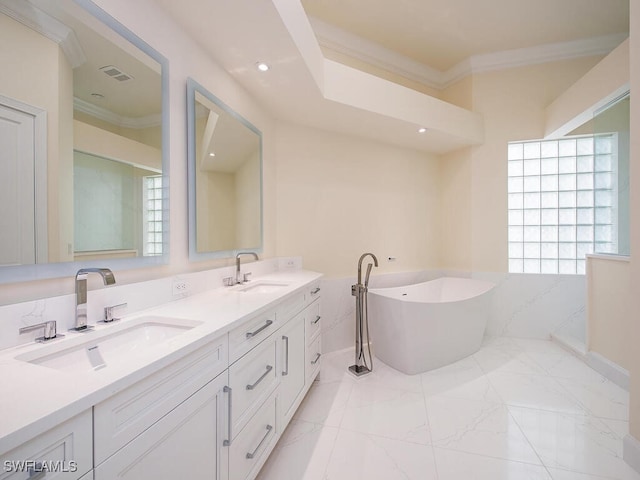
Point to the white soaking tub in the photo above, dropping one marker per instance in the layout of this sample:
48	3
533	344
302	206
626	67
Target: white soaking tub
416	328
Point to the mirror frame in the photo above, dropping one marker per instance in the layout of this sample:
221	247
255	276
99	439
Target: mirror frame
25	273
194	256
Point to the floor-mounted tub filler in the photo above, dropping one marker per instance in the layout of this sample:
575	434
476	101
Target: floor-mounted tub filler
359	290
416	328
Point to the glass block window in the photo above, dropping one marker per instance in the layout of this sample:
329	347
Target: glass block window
562	202
152	201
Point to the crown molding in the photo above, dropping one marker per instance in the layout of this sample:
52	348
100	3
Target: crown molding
31	16
108	116
341	41
521	57
346	43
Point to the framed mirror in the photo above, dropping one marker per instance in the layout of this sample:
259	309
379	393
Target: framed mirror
84	136
225	178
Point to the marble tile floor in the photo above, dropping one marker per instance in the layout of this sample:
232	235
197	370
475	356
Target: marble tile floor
517	409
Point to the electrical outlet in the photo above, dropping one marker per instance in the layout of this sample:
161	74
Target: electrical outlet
290	263
180	287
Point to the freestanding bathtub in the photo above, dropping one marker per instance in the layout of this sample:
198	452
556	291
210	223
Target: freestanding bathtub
416	328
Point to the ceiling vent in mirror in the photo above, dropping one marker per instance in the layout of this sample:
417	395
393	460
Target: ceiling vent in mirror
116	73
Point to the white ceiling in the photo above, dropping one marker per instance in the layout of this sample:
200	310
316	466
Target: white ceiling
239	33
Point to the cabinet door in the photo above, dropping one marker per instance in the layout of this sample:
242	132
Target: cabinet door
64	452
186	443
291	347
125	415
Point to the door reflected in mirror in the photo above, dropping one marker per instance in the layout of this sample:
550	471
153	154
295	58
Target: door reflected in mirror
81	131
225	178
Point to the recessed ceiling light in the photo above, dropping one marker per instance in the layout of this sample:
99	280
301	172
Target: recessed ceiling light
212	154
263	67
422	130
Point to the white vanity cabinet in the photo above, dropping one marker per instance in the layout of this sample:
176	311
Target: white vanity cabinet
313	319
291	347
186	443
173	420
215	412
64	452
252	379
127	414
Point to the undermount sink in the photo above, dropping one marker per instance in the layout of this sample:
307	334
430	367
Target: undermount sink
263	286
99	349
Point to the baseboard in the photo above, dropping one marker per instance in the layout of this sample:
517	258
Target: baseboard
570	344
608	369
631	451
605	367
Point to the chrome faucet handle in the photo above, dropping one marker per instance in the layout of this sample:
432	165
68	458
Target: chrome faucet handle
228	281
245	277
108	312
50	330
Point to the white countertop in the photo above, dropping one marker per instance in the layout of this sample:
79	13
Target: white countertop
36	398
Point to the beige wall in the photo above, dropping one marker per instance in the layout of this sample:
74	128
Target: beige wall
608	306
339	196
186	59
456	201
216	211
248	202
633	326
513	104
53	93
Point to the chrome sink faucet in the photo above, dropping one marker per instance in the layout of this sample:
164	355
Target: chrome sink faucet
81	293
239	278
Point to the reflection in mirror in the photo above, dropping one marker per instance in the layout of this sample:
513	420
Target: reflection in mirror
225	178
81	134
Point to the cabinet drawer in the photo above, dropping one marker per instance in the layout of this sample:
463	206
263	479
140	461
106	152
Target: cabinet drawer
253	444
252	379
313	360
290	307
248	335
64	452
124	416
312	320
312	292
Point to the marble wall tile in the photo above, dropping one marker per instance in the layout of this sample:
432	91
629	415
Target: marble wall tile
534	306
138	297
528	306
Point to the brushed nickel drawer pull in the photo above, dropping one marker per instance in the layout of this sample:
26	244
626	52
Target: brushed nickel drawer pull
250	455
318	355
254	333
255	384
36	472
317	319
227	442
286	355
313	292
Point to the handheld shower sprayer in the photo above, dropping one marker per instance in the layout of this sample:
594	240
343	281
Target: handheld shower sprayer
362	322
366	277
